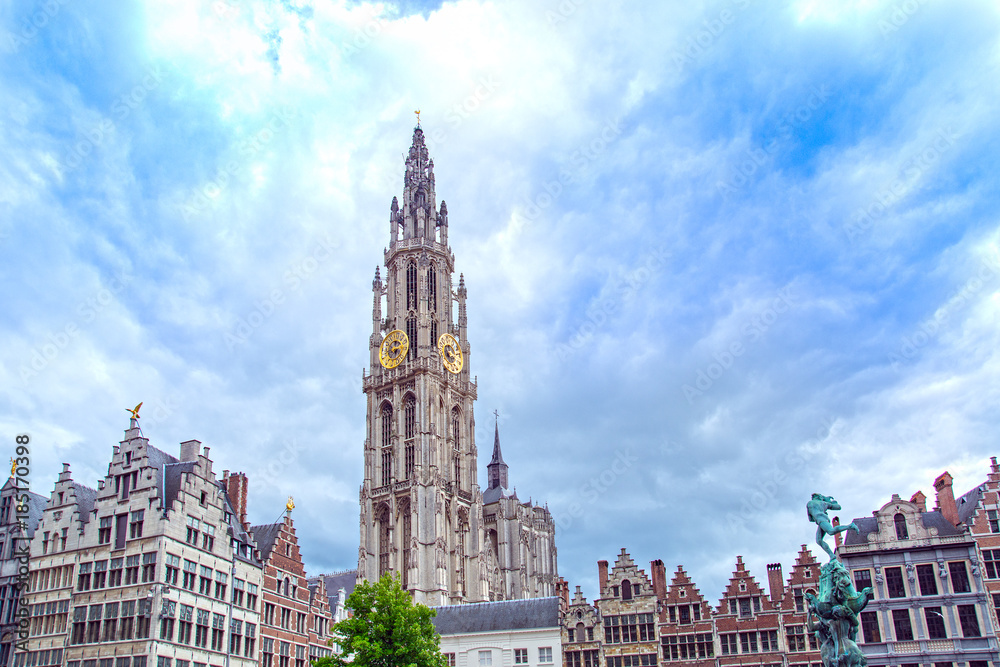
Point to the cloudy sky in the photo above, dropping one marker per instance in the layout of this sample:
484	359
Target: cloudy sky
719	255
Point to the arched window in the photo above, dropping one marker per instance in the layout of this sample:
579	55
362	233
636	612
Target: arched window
386	424
626	590
581	632
410	416
456	426
288	585
432	297
405	563
411	287
411	333
383	541
901	532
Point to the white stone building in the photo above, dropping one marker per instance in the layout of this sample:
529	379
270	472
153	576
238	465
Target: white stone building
509	633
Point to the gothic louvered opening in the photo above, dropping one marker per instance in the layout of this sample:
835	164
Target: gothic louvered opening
456	431
383	542
411	286
386	424
411	333
434	333
432	297
410	416
405	564
410	461
386	466
458	471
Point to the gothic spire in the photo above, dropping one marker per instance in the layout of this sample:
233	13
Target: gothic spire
497	469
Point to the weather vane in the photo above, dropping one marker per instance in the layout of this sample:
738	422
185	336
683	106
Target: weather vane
13	467
418	117
135	410
290	505
497	415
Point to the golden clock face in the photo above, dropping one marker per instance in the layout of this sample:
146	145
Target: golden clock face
394	348
451	353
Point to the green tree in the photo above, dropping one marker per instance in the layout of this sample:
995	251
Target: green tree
386	629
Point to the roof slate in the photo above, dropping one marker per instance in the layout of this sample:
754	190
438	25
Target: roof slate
497	616
265	537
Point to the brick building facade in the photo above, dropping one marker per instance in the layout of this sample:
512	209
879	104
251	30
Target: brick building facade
936	576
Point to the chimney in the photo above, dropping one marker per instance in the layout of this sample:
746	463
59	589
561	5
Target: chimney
946	498
237	485
562	591
659	572
920	500
190	450
994	468
602	575
775	582
836	536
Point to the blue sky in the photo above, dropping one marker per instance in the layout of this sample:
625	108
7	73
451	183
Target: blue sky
719	255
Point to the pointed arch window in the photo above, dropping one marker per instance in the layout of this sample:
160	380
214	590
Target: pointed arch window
411	333
411	286
456	427
410	416
405	564
386	424
383	542
901	532
432	299
434	334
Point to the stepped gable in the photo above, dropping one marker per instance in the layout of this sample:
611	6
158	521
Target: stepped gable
684	591
805	572
625	569
743	585
582	618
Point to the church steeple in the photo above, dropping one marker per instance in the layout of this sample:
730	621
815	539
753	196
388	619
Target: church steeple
497	469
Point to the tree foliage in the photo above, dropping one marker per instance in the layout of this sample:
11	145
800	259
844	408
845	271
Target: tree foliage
386	629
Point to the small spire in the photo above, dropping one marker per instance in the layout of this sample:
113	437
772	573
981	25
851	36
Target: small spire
417	112
377	283
497	468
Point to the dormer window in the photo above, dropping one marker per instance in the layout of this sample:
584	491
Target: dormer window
901	532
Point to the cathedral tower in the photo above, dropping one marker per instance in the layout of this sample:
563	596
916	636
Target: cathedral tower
421	509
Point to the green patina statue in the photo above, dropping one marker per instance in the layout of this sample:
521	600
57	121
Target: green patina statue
817	509
834	609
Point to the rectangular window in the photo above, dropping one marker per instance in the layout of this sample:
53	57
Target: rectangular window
248	644
935	623
748	642
894	582
115	575
149	567
959	577
104	532
100	574
485	658
190	575
205	581
83	580
991	561
769	640
218	631
795	637
927	580
544	655
901	625
201	628
121	523
862	579
730	643
135	524
520	657
968	620
131	570
991	516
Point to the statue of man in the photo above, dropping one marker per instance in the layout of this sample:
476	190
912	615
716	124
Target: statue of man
817	509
